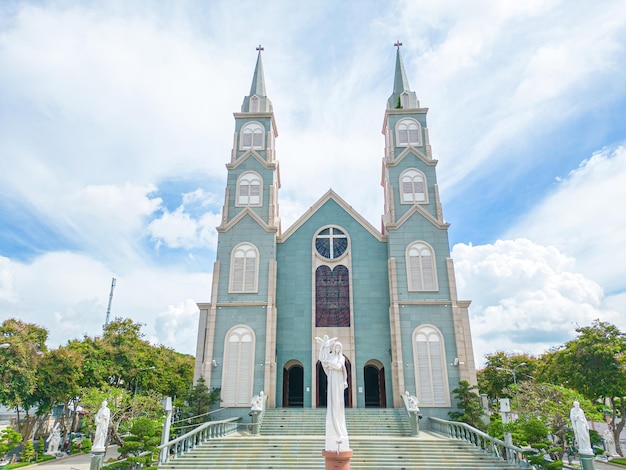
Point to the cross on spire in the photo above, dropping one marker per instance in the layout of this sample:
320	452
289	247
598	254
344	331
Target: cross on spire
398	44
260	48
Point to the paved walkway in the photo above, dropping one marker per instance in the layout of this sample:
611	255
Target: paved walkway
75	461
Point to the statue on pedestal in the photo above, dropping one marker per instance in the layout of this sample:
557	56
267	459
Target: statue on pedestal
334	364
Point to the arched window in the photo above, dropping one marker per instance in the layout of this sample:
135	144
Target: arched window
413	184
332	296
252	136
430	371
244	268
408	132
238	371
249	189
421	268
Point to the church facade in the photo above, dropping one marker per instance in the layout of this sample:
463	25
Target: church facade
389	295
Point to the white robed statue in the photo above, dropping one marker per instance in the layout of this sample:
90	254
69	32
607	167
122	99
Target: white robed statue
53	440
581	429
102	428
334	364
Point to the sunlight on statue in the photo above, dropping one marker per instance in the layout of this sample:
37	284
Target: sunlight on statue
334	364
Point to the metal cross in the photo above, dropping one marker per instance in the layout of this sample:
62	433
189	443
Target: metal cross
398	44
261	48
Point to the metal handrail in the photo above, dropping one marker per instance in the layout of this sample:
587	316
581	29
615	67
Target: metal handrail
205	432
488	444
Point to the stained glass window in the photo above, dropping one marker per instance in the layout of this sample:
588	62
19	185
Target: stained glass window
331	243
332	296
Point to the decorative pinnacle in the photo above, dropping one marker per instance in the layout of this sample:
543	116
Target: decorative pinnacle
398	44
261	48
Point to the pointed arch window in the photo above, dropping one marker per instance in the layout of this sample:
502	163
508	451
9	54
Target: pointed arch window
413	184
254	104
252	136
430	370
404	100
249	187
408	133
238	370
421	267
244	268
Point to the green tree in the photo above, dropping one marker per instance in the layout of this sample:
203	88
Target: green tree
593	364
9	440
468	402
197	402
502	371
28	453
18	367
145	436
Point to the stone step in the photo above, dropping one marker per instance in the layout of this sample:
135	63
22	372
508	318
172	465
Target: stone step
308	421
289	453
293	438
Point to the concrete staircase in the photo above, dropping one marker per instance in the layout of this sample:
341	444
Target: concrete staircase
294	438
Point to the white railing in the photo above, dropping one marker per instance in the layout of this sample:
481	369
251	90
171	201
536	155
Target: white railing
479	439
205	432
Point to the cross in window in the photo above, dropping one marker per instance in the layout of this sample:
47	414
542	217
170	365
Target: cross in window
261	48
398	44
333	237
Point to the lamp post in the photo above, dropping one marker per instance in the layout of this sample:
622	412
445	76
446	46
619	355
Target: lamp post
508	438
137	378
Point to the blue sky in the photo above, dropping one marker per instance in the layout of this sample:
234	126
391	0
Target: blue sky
116	123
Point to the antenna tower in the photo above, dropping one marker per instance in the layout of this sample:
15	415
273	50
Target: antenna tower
106	322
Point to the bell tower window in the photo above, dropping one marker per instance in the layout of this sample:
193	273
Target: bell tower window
408	133
421	268
413	184
251	136
249	189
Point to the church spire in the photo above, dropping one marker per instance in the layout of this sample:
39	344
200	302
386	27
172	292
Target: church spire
402	96
257	101
258	80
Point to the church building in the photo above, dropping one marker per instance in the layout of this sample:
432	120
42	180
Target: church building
388	295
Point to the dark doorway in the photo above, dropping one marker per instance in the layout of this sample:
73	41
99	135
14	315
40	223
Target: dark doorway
293	386
375	396
322	386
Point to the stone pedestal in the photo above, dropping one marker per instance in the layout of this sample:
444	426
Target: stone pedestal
586	461
97	459
256	427
337	460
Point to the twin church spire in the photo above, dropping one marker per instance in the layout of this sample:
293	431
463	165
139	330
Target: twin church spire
402	96
257	101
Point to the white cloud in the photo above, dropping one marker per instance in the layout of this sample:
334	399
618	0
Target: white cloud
525	297
68	294
585	218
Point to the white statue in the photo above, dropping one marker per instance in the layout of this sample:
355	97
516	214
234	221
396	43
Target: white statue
334	364
102	428
325	345
411	402
257	402
581	429
609	441
54	439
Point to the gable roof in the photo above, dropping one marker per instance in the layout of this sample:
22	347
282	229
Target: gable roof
330	195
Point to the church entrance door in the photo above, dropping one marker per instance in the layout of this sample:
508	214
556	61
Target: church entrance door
322	386
293	386
375	396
